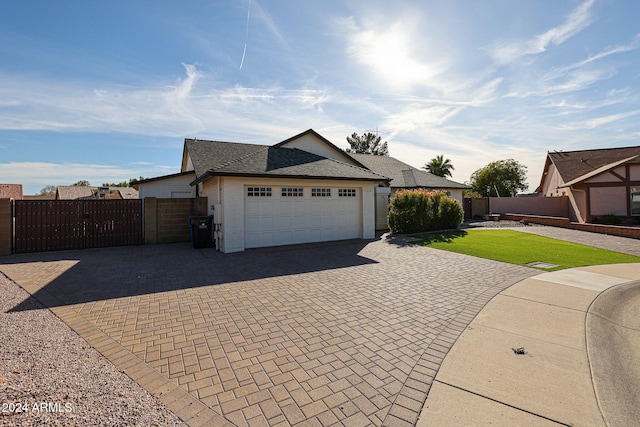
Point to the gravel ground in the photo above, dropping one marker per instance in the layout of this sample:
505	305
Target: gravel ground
58	379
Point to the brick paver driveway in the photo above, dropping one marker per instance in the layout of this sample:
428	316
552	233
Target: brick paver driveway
349	333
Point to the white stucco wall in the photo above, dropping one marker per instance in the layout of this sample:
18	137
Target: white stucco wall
169	188
232	191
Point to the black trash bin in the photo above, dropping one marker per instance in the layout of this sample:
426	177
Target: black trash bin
200	229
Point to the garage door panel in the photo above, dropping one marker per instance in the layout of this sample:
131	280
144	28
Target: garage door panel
279	220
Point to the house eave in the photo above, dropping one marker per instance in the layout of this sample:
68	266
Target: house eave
211	174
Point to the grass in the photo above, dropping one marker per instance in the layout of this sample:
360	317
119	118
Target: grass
520	248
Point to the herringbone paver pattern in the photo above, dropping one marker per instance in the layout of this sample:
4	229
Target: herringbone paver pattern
350	333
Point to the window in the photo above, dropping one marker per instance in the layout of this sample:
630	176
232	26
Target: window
635	200
320	192
347	192
259	191
292	192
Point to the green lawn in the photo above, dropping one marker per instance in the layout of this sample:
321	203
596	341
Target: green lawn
520	248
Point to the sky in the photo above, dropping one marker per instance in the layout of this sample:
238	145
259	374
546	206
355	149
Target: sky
108	91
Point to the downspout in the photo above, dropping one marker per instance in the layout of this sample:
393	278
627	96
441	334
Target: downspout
217	218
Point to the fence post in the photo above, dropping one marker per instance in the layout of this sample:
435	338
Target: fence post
150	221
6	226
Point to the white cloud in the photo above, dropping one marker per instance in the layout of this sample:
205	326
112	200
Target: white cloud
36	175
193	105
578	20
596	122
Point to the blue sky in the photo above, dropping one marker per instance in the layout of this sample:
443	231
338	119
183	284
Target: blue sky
107	91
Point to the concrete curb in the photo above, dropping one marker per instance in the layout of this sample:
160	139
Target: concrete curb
613	344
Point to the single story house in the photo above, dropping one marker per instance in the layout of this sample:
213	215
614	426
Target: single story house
79	192
407	177
597	182
301	190
11	191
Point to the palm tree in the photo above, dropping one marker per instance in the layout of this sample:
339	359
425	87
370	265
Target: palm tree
439	166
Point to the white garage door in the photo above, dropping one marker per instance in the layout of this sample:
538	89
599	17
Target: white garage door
285	215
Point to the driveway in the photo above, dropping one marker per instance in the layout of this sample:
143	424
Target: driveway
349	333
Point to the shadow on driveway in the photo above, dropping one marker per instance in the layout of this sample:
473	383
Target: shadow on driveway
74	277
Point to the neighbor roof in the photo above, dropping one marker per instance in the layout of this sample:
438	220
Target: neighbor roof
277	162
572	165
73	192
403	175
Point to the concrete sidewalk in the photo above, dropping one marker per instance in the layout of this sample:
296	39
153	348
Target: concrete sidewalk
541	353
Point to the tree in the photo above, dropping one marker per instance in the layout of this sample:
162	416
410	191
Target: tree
439	166
82	183
368	143
501	178
48	190
123	183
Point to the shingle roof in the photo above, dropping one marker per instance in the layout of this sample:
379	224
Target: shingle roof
126	192
207	155
74	192
290	162
574	164
403	175
212	158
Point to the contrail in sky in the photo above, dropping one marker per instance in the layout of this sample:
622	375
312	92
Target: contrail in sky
246	35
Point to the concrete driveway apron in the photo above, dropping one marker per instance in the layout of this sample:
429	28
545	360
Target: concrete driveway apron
349	333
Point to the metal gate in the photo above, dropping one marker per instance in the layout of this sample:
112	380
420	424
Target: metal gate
52	225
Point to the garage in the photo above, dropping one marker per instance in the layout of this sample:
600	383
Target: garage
290	215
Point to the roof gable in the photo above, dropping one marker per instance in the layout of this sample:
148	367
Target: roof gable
572	165
315	143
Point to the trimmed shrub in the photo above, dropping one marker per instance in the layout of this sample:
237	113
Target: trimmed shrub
414	211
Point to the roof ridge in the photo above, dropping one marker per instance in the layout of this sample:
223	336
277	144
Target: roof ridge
356	167
593	149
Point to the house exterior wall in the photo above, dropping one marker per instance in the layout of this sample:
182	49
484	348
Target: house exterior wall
551	183
609	176
232	198
634	173
578	204
169	188
608	201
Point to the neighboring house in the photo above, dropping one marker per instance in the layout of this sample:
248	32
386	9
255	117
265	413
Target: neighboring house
404	176
175	186
78	192
301	190
11	191
597	182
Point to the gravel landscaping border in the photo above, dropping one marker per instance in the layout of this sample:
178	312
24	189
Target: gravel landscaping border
51	376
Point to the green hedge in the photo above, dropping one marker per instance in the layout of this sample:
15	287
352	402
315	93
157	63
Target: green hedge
414	211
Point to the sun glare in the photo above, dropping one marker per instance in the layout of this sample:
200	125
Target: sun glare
395	56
